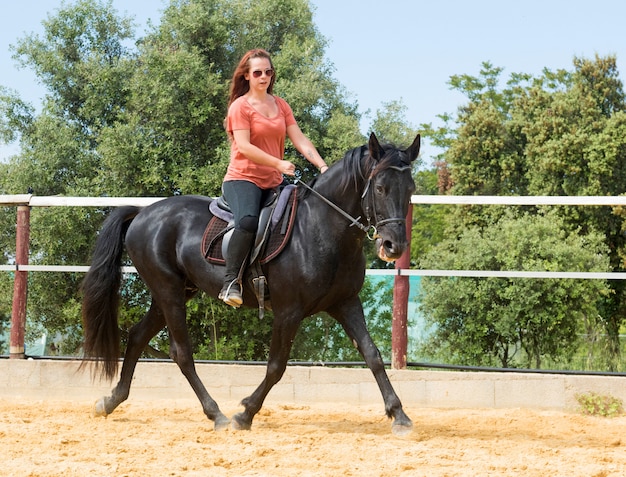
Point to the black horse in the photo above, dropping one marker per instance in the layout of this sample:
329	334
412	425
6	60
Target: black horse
322	268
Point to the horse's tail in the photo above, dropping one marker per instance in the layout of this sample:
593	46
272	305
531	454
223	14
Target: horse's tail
100	290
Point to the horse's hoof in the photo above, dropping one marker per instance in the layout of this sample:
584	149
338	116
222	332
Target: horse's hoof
401	429
99	409
239	423
221	423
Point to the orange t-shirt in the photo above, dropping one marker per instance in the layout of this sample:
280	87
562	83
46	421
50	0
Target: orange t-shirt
266	133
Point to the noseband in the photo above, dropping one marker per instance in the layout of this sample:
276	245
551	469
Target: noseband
371	231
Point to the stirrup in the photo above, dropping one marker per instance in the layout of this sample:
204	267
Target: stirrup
231	294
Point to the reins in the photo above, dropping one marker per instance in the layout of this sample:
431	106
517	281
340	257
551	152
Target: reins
352	220
365	228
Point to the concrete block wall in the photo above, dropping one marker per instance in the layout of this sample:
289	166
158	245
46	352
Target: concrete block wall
62	380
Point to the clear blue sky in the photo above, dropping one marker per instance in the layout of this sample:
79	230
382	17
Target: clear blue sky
386	50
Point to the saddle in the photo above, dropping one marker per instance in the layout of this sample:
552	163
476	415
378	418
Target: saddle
275	225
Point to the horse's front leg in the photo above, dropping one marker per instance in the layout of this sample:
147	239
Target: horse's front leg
350	315
283	333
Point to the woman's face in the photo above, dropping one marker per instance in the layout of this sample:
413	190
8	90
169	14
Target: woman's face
257	75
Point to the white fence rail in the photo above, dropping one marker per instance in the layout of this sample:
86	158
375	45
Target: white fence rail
372	271
24	202
54	201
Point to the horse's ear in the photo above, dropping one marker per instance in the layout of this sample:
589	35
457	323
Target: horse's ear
414	149
376	152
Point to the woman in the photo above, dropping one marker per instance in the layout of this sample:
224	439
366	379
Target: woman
257	124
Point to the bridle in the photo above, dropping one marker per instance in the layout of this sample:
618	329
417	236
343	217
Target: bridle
371	230
366	200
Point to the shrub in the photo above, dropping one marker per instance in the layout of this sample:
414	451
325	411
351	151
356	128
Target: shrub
593	404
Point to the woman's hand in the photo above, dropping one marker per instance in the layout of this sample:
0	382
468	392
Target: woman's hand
287	168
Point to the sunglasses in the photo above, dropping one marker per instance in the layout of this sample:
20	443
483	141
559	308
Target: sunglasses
268	72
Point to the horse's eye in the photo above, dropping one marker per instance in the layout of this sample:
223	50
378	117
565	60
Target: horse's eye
380	190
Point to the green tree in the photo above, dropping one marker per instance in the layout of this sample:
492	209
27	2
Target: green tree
560	133
512	322
82	61
148	121
575	139
6	291
391	126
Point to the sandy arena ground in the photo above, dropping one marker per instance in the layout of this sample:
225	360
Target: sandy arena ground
173	438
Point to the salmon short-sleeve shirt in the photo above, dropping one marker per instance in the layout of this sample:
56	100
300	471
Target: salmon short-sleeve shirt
266	133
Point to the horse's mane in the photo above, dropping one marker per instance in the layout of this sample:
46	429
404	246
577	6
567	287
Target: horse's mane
358	165
352	171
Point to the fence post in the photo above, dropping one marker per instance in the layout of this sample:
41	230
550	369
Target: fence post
20	284
401	288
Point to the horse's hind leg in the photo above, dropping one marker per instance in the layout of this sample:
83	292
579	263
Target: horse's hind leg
180	350
138	338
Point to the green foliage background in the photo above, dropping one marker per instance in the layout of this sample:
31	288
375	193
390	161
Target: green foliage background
561	133
131	116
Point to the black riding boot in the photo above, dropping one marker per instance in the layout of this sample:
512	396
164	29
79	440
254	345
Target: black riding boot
236	256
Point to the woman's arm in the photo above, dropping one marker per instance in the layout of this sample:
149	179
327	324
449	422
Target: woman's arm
258	155
306	147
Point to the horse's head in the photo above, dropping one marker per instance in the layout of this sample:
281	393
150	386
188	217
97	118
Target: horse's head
387	195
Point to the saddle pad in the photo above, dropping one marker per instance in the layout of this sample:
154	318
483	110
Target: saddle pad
280	230
281	203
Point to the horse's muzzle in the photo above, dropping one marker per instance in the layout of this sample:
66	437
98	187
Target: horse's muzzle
389	251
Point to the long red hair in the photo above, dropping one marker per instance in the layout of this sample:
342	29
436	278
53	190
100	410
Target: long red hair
239	85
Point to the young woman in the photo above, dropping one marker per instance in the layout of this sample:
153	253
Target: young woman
257	125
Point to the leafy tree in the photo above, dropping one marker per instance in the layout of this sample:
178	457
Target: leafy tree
223	333
7	234
6	292
390	125
429	221
512	322
82	61
577	144
560	133
148	121
15	117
